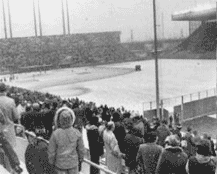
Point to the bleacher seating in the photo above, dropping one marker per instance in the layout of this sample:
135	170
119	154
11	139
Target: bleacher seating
80	48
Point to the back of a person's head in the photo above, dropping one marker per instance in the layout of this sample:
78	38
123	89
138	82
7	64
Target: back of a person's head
165	122
150	137
64	118
116	117
195	132
3	88
94	121
203	147
36	106
189	129
134	131
173	141
110	125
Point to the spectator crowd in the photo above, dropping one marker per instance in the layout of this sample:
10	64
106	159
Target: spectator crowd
74	49
127	141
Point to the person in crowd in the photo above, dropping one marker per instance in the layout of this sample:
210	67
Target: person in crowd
177	131
80	115
14	163
113	153
196	140
95	143
211	144
21	107
131	143
66	146
119	130
8	107
173	159
213	153
163	132
149	153
188	139
202	161
139	124
30	153
26	119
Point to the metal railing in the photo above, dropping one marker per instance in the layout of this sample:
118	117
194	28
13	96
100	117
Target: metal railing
88	162
169	103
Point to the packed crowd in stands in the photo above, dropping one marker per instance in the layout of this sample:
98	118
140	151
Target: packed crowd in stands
126	140
79	48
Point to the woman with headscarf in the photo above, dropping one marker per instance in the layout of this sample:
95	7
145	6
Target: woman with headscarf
113	153
66	146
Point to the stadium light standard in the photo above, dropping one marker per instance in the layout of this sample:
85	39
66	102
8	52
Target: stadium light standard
216	63
156	61
4	18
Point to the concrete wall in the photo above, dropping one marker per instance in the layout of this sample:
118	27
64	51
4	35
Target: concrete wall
149	114
197	108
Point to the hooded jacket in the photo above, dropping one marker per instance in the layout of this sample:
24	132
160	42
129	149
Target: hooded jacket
57	116
66	146
201	163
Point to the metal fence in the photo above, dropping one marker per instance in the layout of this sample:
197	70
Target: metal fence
169	103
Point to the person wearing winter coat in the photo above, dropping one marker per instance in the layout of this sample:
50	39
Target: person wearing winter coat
95	143
66	146
188	139
119	131
30	153
113	153
202	161
149	153
132	142
173	159
163	132
8	107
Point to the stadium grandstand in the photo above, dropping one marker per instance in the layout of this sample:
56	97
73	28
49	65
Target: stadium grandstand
52	131
37	53
201	43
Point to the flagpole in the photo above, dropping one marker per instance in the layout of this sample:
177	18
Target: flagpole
5	26
34	16
156	61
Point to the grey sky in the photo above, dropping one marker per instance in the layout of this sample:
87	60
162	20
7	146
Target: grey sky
101	15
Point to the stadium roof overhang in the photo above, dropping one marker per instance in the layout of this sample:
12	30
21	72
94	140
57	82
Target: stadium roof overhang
202	14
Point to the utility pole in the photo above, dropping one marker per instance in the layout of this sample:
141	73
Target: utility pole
4	18
156	61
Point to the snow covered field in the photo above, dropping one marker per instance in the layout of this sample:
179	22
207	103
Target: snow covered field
119	85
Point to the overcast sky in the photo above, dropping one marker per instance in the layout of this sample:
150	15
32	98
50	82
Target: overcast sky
101	15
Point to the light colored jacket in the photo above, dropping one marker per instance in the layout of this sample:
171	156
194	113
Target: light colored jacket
65	148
